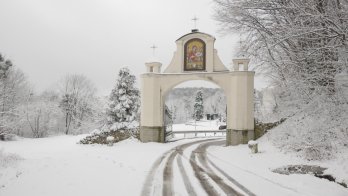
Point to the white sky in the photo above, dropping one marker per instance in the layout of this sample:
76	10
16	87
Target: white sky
50	38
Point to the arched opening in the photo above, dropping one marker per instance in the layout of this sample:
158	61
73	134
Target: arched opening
194	108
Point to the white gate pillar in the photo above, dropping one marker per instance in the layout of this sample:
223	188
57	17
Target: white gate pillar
151	119
240	108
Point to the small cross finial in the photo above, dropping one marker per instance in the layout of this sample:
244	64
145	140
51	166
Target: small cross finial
195	19
153	49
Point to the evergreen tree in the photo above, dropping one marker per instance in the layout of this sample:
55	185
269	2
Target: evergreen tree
198	107
124	99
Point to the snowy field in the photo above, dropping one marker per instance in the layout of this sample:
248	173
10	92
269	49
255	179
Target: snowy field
202	125
59	166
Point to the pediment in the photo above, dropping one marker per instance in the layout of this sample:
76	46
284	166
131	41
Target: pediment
195	53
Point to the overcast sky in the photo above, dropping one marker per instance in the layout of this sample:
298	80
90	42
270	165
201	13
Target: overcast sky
50	38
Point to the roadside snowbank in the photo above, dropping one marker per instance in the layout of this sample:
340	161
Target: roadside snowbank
255	171
318	132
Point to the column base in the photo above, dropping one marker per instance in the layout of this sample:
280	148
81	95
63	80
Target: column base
152	134
235	137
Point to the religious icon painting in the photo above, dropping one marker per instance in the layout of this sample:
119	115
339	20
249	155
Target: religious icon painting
194	55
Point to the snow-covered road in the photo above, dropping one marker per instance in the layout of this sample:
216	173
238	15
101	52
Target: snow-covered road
59	166
162	180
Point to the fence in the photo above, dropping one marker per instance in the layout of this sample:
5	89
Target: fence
200	133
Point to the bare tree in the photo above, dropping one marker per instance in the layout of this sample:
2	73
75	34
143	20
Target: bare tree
301	45
40	114
77	93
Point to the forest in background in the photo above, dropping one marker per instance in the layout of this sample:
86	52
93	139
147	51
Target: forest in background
180	101
70	107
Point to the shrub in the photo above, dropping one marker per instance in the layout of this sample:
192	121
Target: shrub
119	135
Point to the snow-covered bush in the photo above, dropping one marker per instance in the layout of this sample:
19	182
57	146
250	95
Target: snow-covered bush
118	135
314	129
7	159
8	137
318	131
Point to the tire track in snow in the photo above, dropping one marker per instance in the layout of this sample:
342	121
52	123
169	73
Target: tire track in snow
203	172
168	170
202	156
199	173
231	179
167	188
149	181
190	190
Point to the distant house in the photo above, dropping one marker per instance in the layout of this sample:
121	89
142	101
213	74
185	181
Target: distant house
212	116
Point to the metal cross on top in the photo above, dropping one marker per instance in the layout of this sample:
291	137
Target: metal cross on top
195	19
153	49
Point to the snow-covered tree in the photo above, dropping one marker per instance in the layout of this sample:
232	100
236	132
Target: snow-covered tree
300	45
13	91
40	116
198	107
124	99
77	94
5	66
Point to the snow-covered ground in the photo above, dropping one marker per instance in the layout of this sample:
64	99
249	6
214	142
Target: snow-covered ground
60	166
255	171
202	125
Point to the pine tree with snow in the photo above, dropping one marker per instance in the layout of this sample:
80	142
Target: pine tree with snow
198	107
124	99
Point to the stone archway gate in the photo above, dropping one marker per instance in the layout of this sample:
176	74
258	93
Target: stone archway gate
196	59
